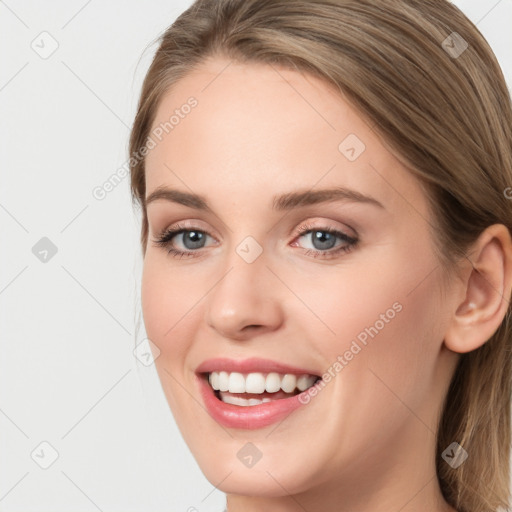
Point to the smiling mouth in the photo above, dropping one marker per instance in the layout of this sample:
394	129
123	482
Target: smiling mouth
250	389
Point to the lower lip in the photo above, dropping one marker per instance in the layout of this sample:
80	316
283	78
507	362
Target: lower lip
250	417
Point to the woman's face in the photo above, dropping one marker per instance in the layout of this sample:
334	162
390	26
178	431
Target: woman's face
308	254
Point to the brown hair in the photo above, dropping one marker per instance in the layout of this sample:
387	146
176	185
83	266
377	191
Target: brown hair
443	109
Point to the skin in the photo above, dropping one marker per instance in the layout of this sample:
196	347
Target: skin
366	442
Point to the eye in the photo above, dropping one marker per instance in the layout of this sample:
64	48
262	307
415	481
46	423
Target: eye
191	238
324	241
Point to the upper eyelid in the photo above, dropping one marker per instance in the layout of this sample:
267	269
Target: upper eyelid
306	226
324	223
180	226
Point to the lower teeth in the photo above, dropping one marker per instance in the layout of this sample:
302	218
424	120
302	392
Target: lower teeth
244	402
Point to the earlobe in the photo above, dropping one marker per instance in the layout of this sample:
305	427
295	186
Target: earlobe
488	288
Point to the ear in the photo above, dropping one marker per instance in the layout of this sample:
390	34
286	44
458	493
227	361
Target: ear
488	289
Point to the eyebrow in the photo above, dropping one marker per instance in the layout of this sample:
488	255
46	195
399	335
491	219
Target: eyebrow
284	202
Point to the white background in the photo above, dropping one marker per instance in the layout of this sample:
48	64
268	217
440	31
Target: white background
68	375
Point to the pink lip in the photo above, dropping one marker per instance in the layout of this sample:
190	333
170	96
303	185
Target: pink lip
251	417
249	365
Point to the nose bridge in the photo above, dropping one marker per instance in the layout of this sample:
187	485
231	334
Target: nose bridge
244	295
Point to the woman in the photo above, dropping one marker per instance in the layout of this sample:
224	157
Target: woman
326	219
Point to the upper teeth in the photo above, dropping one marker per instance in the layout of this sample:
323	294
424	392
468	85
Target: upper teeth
235	382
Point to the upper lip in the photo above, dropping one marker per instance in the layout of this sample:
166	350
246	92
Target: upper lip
251	365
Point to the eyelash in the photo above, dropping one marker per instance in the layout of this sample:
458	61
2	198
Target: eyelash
165	238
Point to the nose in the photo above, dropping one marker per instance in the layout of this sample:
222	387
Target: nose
245	301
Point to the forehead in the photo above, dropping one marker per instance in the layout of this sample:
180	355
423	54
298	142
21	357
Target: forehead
258	128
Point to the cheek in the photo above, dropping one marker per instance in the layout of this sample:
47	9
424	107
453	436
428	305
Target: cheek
155	302
165	299
388	324
363	301
167	307
383	315
405	355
